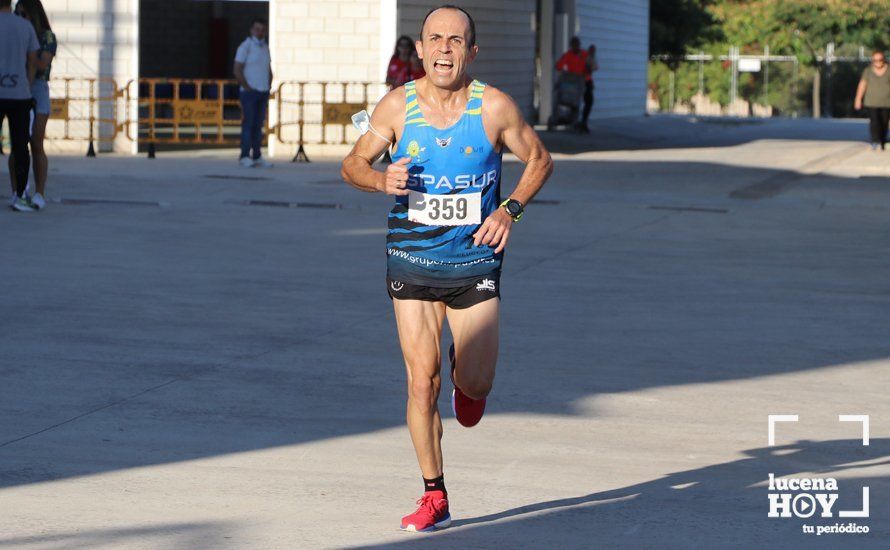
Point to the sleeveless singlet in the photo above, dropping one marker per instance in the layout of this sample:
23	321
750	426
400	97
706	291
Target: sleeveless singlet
454	184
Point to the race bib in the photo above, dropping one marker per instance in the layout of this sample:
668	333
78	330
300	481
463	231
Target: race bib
462	209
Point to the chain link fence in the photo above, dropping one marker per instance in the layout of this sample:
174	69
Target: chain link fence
757	83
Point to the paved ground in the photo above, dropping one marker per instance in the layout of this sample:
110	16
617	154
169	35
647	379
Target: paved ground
186	368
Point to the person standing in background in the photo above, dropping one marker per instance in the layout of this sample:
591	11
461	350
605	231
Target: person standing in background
572	66
253	70
18	64
398	72
590	67
874	93
32	11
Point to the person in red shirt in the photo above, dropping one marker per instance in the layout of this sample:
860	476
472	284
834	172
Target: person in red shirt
574	61
399	70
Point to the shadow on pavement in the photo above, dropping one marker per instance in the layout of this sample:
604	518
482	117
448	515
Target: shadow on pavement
173	334
719	506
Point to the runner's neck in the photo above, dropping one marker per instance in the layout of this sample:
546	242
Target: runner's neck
443	98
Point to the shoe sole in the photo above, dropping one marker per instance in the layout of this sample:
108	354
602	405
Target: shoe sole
440	525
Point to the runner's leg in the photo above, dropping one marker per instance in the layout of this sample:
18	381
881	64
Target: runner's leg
420	331
476	332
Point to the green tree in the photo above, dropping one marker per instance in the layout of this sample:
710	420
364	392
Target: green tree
804	28
676	26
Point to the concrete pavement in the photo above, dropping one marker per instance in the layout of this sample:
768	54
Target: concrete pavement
201	356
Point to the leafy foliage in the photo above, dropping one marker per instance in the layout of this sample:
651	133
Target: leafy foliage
800	28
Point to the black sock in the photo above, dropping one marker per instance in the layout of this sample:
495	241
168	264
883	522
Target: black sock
435	484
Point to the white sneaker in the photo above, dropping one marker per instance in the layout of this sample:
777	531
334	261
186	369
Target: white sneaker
21	205
246	162
12	199
263	163
38	202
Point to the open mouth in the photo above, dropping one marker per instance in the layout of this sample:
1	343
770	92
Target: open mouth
443	66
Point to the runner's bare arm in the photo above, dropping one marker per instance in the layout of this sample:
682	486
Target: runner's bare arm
516	135
357	169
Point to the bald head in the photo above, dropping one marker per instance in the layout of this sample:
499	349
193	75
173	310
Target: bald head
470	24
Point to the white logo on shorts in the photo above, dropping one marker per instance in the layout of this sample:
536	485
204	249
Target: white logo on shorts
396	286
485	284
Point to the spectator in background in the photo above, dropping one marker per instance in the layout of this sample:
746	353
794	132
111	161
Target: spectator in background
874	92
574	61
399	70
253	70
18	64
590	67
32	11
415	67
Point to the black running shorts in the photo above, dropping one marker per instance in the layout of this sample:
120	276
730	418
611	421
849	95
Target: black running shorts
484	288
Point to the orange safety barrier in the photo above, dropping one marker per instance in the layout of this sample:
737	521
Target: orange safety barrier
203	111
84	109
320	112
188	111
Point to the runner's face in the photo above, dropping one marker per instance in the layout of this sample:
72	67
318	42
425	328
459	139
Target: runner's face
878	60
444	48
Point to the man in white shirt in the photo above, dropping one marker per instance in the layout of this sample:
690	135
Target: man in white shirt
253	70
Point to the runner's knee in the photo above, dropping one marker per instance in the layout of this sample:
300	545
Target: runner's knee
423	391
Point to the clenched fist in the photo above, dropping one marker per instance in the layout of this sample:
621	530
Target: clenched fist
395	179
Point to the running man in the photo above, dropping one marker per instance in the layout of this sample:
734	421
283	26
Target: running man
447	230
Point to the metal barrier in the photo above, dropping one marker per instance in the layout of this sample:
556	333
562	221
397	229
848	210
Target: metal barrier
186	111
84	109
320	112
203	111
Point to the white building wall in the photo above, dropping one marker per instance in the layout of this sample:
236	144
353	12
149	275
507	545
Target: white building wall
620	30
505	37
96	39
330	41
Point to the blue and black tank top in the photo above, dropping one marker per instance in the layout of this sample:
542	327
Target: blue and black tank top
454	184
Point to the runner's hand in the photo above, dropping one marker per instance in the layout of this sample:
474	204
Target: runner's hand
857	105
395	179
495	230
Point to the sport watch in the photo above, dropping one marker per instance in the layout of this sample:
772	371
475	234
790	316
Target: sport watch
513	208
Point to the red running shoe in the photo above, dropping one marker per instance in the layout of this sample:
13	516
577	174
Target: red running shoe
467	411
432	514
